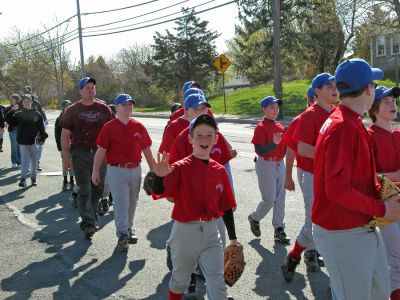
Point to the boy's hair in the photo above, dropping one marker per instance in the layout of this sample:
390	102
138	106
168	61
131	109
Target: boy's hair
15	97
342	85
374	109
203	119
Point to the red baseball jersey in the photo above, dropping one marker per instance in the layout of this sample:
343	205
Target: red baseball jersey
180	112
345	194
182	148
307	131
287	139
171	133
386	147
263	135
124	143
199	190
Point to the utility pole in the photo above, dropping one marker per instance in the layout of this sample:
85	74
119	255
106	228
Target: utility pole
78	12
276	15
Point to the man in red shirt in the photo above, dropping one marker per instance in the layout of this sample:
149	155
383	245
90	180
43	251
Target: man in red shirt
305	135
83	121
270	170
346	198
385	140
121	142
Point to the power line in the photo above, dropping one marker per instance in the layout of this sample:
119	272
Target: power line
146	21
162	22
138	16
116	9
42	33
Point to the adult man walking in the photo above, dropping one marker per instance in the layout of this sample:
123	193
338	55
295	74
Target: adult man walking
83	121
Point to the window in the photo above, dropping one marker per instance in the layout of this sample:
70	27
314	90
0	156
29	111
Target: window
396	43
380	46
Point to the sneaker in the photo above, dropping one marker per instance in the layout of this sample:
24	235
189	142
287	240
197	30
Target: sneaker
1	149
14	166
110	200
123	243
71	184
22	183
169	259
320	260
254	226
89	231
74	200
65	186
33	182
289	267
280	236
132	238
103	207
310	258
39	169
230	298
193	285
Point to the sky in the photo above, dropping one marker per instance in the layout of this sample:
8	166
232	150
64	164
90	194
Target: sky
32	16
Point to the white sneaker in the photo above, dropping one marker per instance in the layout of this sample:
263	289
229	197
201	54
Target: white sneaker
14	166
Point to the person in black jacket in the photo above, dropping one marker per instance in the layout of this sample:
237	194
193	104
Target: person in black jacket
57	134
30	132
2	126
12	132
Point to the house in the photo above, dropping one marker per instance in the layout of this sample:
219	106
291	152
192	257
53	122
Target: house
385	52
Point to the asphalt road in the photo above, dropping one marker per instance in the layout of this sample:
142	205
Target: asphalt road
43	254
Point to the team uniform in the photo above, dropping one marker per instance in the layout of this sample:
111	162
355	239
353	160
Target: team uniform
288	138
270	170
124	144
171	133
201	193
386	146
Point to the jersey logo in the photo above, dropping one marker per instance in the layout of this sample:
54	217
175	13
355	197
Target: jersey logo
324	127
220	187
137	134
216	150
90	116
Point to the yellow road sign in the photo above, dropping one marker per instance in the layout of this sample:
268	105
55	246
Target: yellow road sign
222	63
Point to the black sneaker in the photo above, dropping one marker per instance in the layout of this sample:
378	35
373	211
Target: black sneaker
320	260
22	183
123	243
33	182
74	200
289	267
65	186
39	169
89	231
311	260
254	226
71	184
280	236
132	238
193	285
169	259
110	200
103	206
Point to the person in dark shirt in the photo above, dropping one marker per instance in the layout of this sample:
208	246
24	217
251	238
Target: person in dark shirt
2	126
12	132
30	132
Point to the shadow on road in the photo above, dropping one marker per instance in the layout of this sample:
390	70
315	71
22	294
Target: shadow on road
159	236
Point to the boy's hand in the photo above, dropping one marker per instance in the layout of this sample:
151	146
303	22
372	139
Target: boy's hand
96	178
162	167
277	138
289	184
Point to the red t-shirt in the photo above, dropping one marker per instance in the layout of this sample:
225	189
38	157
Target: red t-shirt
85	123
386	147
199	190
171	132
181	111
124	143
287	139
263	135
307	131
182	148
345	194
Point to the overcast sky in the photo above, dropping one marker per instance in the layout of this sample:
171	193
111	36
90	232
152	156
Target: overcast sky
29	16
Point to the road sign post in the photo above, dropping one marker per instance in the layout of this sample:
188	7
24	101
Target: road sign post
222	63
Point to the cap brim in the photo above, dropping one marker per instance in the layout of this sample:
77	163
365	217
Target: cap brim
377	74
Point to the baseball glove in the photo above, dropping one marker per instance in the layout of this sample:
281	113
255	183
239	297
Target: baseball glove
148	183
233	264
386	190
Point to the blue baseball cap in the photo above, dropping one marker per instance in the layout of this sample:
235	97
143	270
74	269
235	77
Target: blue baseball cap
86	80
382	92
310	92
192	91
353	75
203	119
188	85
269	100
192	101
321	79
123	98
